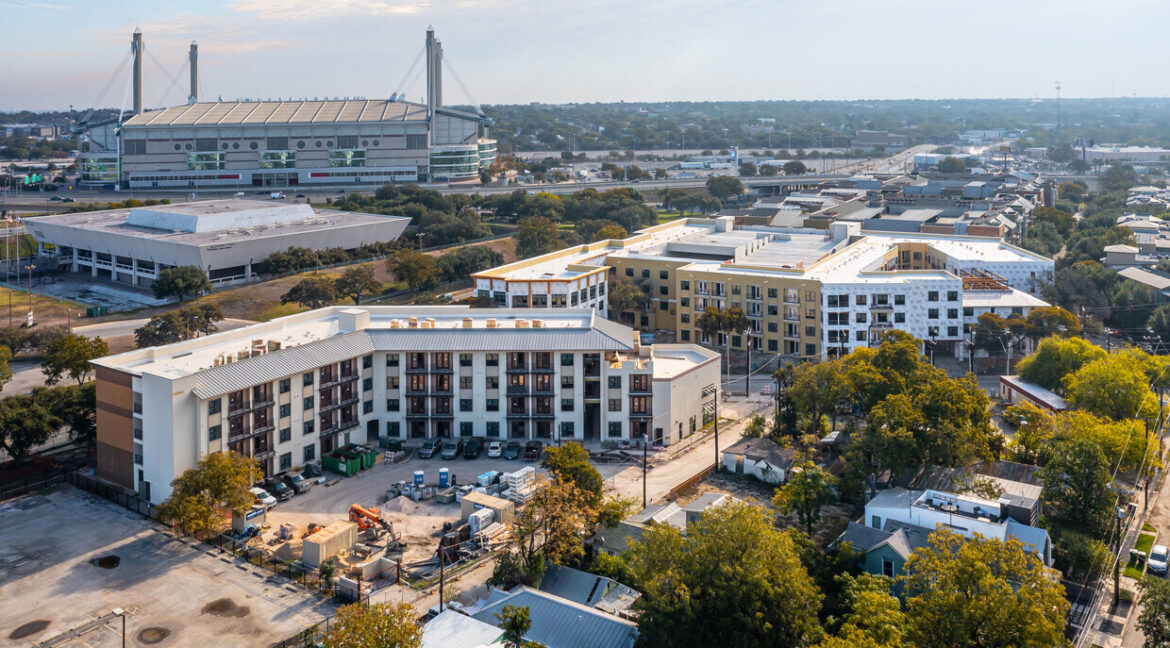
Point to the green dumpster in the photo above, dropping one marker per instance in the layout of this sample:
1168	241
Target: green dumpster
338	462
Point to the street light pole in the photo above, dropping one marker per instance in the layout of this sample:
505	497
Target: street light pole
30	267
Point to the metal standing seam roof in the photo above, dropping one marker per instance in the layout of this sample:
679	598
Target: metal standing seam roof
298	359
562	623
232	113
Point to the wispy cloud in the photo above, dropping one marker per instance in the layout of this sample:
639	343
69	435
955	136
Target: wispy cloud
316	9
36	4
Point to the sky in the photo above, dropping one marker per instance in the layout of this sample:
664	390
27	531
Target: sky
58	53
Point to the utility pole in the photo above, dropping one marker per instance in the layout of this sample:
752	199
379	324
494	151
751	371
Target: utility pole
442	576
643	471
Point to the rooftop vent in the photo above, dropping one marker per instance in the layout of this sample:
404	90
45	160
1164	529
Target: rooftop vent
468	322
491	322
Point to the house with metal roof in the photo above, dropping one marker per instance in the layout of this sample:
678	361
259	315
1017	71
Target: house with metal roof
454	629
761	458
288	391
561	623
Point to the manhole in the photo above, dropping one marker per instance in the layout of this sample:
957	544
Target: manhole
225	607
29	629
153	635
108	562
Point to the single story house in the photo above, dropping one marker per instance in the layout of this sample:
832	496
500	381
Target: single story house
761	458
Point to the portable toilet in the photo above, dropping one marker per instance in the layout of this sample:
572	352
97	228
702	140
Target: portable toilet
418	478
444	478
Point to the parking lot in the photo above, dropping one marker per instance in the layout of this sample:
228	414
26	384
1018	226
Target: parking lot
420	524
69	559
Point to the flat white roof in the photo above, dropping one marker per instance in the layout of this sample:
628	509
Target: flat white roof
1001	299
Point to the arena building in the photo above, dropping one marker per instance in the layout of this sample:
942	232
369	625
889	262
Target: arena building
286	392
318	142
223	237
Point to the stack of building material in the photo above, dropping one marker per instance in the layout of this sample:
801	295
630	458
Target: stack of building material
493	535
521	485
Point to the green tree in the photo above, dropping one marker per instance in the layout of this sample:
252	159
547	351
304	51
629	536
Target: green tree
202	496
570	462
817	390
1076	485
612	232
794	167
162	329
25	423
460	263
747	170
724	187
1154	620
1115	386
313	291
979	592
808	489
418	270
75	406
1055	358
626	297
537	235
1034	432
515	621
368	626
875	618
951	164
70	356
1051	320
5	368
357	281
732	580
181	282
1159	322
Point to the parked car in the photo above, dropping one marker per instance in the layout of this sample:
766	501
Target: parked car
297	482
533	450
278	489
1156	563
495	449
428	448
240	194
472	448
262	497
452	448
512	451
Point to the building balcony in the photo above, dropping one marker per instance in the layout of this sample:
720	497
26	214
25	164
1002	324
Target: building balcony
416	370
517	370
544	415
442	370
641	415
341	403
517	390
333	382
517	415
547	370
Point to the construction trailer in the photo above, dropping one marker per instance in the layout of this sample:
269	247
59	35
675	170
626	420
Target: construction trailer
503	509
328	542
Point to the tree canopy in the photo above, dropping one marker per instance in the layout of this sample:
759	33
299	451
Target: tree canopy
357	281
732	580
70	355
202	496
358	625
26	421
418	270
724	187
181	282
314	291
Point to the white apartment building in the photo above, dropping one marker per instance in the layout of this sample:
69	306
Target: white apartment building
810	294
287	391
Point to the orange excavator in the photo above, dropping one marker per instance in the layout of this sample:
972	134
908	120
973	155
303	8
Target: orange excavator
367	517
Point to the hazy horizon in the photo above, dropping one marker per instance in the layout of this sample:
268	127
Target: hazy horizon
64	52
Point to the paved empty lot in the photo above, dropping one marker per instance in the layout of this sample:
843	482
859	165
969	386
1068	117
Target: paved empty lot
58	575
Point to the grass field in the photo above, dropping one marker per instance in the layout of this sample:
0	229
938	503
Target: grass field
667	216
1143	544
45	309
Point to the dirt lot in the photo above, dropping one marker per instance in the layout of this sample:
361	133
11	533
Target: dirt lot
419	524
70	558
834	518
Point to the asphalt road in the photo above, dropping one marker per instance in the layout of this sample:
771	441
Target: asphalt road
126	327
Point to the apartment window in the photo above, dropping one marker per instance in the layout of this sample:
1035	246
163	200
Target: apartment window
493	382
307	379
968	311
368	407
645	273
567	429
899	300
686	335
773	327
685	318
838	301
810	313
466	428
593	291
952	331
392	405
464	404
615	382
932	313
685	302
862	300
684	285
566	404
393	429
566	359
566	381
493	428
285	386
492	405
899	318
308	426
539	301
465	382
664	274
214	406
492	359
615	429
735	289
932	295
308	404
772	293
615	404
810	349
285	410
309	453
573	298
952	313
286	461
214	432
773	310
772	345
367	384
392	360
285	435
392	382
861	318
932	331
629	272
810	331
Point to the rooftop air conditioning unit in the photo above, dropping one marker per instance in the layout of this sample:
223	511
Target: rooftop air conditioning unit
412	322
468	322
430	322
491	322
521	323
537	323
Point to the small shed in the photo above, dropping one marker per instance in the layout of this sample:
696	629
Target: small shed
763	459
504	510
1014	390
328	542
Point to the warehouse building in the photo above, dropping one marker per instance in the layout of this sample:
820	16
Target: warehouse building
809	294
287	391
223	237
289	143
